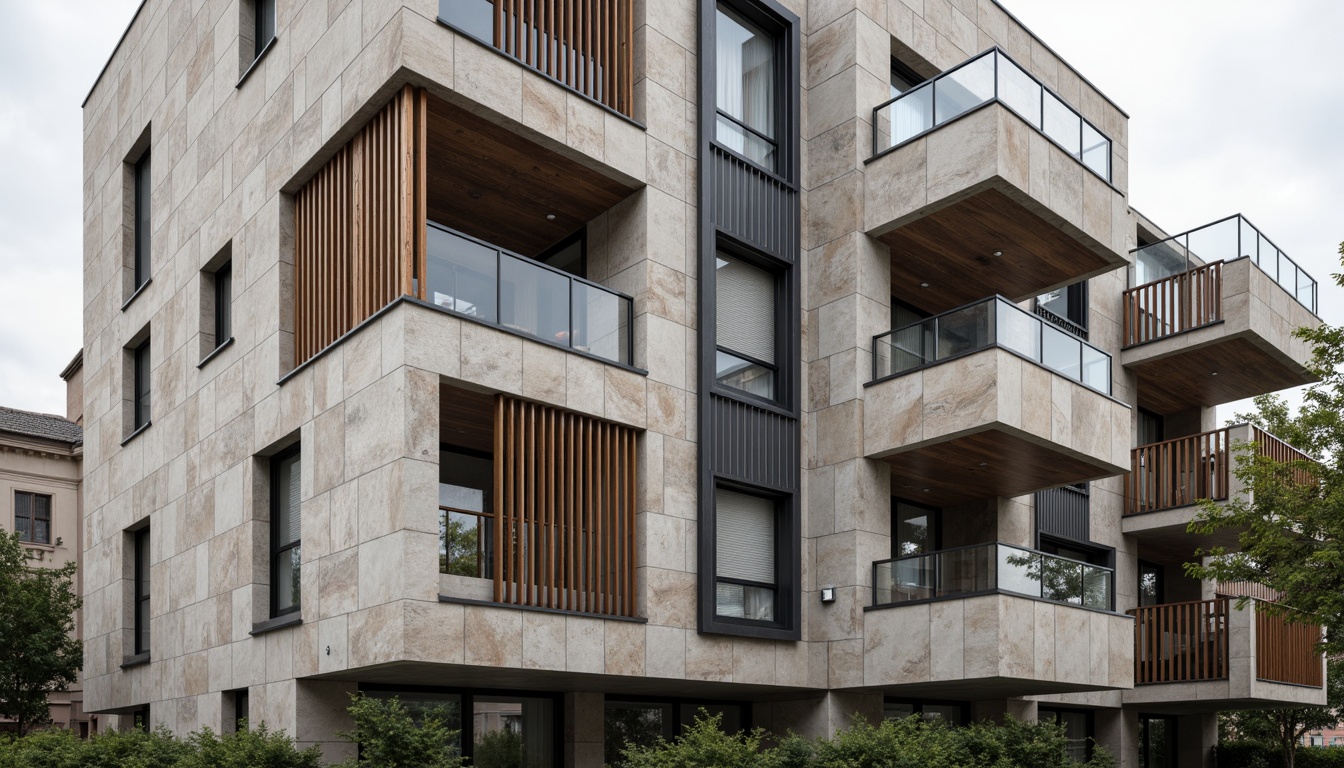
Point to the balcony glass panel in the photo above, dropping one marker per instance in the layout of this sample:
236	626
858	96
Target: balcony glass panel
475	17
991	76
1063	125
1248	242
993	567
994	322
1214	242
475	279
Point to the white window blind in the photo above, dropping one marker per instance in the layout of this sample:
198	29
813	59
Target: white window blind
746	309
288	526
745	537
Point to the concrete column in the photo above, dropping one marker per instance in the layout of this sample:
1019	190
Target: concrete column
1117	731
817	716
321	710
1195	736
583	729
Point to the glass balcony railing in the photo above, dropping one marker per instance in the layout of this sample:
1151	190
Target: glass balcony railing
987	568
991	76
494	286
993	322
1223	240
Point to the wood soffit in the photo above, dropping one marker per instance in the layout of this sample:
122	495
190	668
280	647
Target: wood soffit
496	185
1186	380
952	250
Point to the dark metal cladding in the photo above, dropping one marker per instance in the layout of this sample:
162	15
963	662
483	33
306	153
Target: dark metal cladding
755	445
1063	512
753	206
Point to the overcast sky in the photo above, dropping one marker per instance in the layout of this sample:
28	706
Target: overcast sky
1235	106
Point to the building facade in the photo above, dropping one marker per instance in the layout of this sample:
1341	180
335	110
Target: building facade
40	473
576	365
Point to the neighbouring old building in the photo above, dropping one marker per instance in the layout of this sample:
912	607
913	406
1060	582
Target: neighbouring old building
579	364
40	474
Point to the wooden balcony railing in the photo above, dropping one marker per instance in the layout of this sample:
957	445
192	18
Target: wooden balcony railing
1286	652
1173	304
1180	472
587	45
1181	642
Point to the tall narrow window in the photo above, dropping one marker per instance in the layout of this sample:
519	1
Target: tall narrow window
264	26
747	97
32	517
1077	731
466	513
286	549
142	388
141	543
745	330
745	553
1066	307
915	529
142	221
1150	584
240	709
223	303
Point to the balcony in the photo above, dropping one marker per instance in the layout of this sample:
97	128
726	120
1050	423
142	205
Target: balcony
990	400
585	46
1167	479
1004	620
1208	655
1213	318
984	181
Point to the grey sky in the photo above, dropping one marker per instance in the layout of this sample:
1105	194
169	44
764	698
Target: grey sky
1236	106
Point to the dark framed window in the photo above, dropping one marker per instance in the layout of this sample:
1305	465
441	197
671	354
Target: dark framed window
223	303
903	78
140	718
240	704
748	64
32	517
286	539
569	255
1078	730
950	712
1152	428
1152	584
643	721
496	729
746	577
466	512
140	541
1066	307
263	25
142	220
747	332
915	529
141	377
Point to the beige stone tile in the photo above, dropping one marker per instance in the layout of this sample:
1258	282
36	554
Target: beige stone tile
543	641
497	636
709	657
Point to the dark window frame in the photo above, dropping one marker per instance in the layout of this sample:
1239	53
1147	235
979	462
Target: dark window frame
1090	728
1147	566
141	591
937	512
1076	298
263	26
907	73
486	566
223	290
779	31
30	535
142	376
276	548
140	717
143	224
579	236
782	368
241	705
684	717
918	705
785	587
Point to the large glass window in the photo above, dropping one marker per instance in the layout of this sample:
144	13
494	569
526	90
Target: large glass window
495	730
466	519
142	220
32	517
745	546
141	377
950	712
915	529
747	94
1066	307
1077	730
745	327
286	539
140	540
643	723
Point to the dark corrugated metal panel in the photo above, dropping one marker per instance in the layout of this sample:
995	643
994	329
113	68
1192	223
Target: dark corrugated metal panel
1064	512
753	206
755	445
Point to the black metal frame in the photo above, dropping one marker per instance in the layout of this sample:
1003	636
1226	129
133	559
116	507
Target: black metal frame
276	548
487	563
1077	297
223	290
143	224
786	615
140	562
141	378
1169	724
938	529
679	703
995	99
263	26
784	389
579	236
1091	727
1160	571
779	188
918	704
33	496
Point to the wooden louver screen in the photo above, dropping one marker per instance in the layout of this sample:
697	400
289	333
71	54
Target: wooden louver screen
1174	304
359	235
1180	642
1178	472
1286	652
565	510
586	44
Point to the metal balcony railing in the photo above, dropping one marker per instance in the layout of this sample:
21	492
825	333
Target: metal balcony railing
992	568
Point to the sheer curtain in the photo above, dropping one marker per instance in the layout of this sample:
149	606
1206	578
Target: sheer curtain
746	86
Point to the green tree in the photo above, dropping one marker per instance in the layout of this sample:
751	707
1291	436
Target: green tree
1283	728
390	735
37	622
1291	527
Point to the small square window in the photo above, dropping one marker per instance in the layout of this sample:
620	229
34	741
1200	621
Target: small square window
32	517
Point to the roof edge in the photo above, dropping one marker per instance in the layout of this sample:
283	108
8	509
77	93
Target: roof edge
75	364
113	55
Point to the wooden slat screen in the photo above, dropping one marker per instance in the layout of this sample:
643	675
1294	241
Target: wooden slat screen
1176	473
1286	652
1246	589
1276	450
359	227
1180	642
1174	304
565	500
586	44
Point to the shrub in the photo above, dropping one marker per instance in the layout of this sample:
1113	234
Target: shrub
389	736
248	748
59	748
705	745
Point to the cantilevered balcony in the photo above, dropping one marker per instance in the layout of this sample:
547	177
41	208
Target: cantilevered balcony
1212	316
1001	619
1167	480
990	400
1209	655
984	181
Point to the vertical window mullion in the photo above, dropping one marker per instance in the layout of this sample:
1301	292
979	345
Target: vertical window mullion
142	220
286	533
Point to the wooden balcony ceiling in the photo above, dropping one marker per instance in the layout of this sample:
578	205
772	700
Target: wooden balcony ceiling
1186	379
952	250
467	419
1163	538
496	185
981	465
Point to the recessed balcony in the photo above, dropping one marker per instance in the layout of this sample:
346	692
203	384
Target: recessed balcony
990	400
1167	480
1209	655
1212	319
983	181
1004	620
